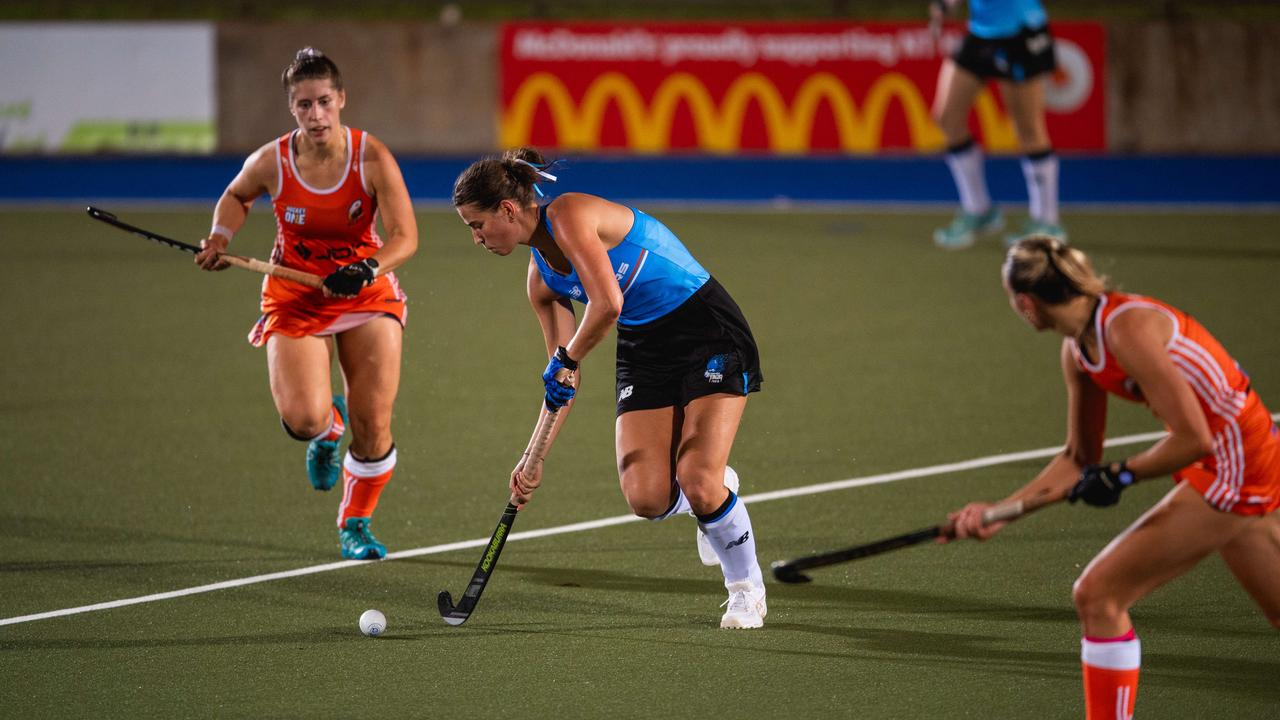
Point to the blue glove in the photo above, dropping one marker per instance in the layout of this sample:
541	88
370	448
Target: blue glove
558	393
1101	485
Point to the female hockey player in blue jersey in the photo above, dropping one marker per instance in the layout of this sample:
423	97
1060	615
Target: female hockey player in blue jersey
686	359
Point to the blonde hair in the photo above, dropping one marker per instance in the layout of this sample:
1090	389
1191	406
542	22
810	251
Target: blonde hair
1047	268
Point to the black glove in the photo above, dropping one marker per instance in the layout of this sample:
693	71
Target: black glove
349	280
1101	485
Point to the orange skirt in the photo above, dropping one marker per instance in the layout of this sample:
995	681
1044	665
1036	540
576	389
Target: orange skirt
296	310
1245	478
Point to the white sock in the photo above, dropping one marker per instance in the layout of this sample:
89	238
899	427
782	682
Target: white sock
679	505
966	163
729	532
1041	173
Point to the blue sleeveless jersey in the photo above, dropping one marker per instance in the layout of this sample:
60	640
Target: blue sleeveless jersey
655	271
1005	18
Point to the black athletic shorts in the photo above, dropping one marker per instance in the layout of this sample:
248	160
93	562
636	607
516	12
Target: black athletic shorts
1018	58
702	347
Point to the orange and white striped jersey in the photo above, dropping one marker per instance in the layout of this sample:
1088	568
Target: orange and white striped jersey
1242	474
319	230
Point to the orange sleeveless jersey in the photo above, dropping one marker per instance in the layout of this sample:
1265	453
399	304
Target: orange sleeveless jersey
319	230
1242	474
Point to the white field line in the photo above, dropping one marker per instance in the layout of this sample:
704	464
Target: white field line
943	469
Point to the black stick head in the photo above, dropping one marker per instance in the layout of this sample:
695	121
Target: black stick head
450	614
785	572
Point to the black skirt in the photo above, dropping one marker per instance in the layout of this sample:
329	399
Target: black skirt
701	348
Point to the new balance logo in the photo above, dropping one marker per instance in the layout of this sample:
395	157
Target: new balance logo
626	392
745	536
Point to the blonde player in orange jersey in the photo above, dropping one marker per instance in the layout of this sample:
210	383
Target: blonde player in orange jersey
1223	451
329	184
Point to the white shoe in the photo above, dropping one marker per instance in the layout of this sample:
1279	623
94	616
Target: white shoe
706	553
746	606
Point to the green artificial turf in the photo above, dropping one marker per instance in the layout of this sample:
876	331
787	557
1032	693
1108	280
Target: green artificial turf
140	453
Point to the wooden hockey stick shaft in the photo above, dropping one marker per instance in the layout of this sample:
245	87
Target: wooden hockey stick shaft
311	280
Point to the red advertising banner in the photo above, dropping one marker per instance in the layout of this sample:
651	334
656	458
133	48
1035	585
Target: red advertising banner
795	88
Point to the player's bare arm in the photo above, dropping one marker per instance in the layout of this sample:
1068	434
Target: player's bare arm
394	205
1138	339
1086	427
256	177
576	221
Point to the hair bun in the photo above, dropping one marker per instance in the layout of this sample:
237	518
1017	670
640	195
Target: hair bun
308	52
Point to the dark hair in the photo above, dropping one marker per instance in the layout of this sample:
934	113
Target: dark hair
1045	267
490	180
310	64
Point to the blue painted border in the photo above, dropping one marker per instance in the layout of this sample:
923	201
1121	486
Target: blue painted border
1170	180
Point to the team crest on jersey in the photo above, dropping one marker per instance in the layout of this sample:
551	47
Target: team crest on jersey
295	215
354	212
715	369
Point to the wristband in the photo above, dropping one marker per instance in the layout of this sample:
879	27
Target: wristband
563	356
1124	474
222	230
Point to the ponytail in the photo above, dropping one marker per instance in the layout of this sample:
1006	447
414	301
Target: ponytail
1047	268
514	175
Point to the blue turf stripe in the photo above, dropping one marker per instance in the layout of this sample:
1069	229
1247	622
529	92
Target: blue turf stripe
1097	179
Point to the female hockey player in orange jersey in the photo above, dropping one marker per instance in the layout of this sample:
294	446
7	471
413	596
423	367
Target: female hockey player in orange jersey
329	184
1223	451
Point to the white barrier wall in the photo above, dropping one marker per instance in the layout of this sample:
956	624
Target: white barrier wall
102	87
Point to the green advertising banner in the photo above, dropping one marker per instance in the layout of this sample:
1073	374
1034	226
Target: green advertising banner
107	88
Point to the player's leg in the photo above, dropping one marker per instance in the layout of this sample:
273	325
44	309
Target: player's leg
644	440
1254	558
646	446
370	359
298	369
1025	102
1168	540
706	438
957	88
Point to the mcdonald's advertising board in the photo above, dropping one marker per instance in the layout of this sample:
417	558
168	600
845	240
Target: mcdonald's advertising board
805	88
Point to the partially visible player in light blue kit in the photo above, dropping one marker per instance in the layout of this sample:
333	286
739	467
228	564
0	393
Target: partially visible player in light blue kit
686	359
1008	41
995	19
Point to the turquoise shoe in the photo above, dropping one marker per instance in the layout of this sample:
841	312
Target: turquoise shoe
358	543
324	462
1035	227
965	228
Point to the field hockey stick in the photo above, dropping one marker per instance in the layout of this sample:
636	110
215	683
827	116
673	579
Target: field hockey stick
240	261
791	571
457	614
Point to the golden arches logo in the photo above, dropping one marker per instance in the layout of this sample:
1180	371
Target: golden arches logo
718	126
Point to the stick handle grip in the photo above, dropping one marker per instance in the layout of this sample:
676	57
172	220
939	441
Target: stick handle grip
542	433
538	448
279	271
1015	509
